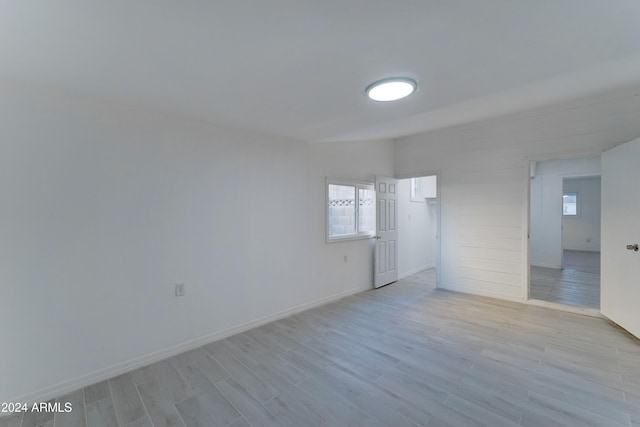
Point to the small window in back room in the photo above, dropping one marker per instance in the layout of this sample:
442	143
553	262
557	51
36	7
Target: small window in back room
416	190
570	204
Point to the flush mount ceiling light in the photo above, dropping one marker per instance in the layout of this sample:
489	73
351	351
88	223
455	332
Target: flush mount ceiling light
391	89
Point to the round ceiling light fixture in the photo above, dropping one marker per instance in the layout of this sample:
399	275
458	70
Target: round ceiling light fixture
391	89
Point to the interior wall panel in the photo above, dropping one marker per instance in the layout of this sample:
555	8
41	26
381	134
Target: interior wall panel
483	180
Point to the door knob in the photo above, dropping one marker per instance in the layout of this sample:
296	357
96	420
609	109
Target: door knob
633	247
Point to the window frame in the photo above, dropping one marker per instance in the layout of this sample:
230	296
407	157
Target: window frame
358	185
577	214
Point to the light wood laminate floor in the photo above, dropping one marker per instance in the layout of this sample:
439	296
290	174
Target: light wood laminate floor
403	355
578	283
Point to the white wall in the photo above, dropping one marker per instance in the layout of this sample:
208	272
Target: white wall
483	181
546	207
416	230
105	207
582	232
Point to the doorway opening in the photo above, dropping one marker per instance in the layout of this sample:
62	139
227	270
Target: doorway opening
564	232
581	240
418	225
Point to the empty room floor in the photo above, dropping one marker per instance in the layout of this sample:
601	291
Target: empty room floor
403	355
577	284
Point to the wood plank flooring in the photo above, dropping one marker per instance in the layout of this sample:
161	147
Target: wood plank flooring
577	284
403	355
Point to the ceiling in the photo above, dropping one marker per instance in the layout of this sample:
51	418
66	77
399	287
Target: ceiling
298	68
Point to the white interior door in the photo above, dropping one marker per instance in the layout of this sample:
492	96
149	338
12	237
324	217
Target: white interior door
386	253
620	234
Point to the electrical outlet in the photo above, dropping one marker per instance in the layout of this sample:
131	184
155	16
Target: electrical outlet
179	289
346	259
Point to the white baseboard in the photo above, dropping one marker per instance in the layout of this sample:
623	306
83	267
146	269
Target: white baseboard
557	267
414	271
463	290
569	308
77	383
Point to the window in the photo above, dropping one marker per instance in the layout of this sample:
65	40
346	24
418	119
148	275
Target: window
570	204
351	210
423	188
416	190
